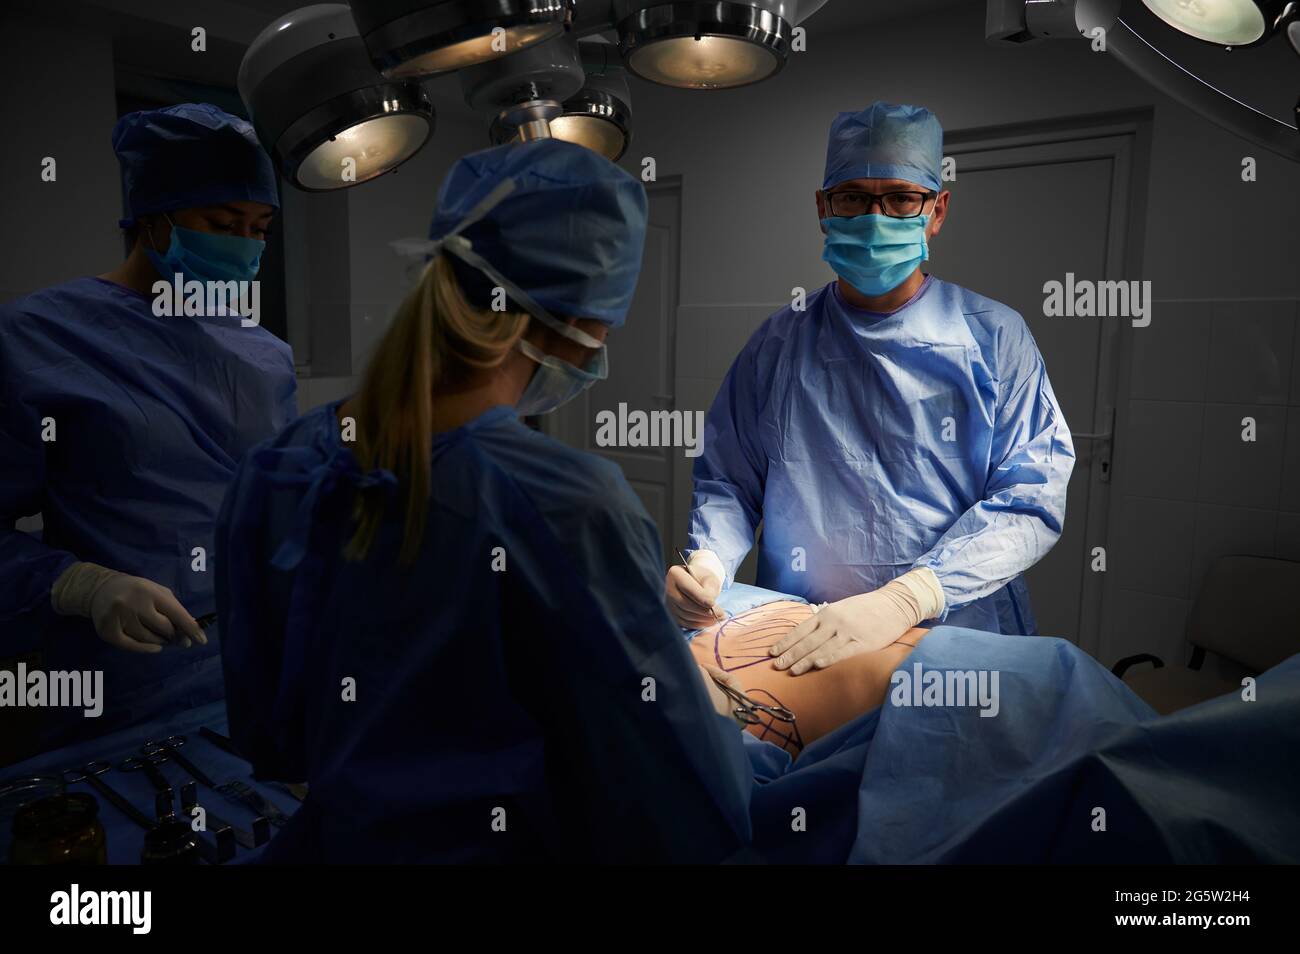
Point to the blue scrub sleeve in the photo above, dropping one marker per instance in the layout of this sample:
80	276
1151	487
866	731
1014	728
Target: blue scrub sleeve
729	475
1023	509
28	567
624	707
248	605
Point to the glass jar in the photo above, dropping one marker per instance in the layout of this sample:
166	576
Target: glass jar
59	830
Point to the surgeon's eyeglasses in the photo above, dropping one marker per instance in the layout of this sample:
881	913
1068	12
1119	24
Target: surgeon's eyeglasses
896	205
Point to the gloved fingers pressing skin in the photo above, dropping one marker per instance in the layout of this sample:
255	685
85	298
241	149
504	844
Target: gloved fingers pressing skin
184	624
799	644
834	650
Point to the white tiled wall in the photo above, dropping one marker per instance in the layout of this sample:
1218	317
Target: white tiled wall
1188	488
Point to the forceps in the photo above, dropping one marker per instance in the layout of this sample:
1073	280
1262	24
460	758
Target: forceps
747	710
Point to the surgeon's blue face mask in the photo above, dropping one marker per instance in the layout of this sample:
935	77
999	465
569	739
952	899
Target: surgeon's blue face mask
208	256
875	253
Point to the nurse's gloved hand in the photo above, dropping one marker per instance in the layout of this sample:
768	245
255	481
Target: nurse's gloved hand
692	593
860	624
722	703
128	612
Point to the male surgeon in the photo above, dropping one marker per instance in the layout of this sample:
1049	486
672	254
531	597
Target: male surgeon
898	437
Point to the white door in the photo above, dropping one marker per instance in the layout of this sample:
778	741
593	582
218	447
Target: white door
1028	206
641	371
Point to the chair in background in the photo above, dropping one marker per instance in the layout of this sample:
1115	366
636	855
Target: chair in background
1246	611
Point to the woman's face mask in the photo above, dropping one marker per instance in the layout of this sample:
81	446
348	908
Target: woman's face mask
208	256
556	382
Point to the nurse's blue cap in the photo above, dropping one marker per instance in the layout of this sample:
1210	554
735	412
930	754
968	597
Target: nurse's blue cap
188	156
570	235
885	141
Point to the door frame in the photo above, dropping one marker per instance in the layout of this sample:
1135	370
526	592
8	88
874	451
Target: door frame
1124	138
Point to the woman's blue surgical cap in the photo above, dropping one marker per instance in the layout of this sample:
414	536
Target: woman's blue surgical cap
885	141
189	156
570	235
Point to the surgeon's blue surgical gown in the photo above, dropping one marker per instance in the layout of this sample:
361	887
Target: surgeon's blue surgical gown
869	444
520	692
149	417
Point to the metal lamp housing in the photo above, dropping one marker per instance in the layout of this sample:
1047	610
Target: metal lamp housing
413	38
598	117
691	44
316	101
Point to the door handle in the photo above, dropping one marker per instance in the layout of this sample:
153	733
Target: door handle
1105	438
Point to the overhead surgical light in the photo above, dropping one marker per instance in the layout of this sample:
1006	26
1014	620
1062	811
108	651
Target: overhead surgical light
324	113
525	91
1024	21
408	38
697	45
1222	22
598	116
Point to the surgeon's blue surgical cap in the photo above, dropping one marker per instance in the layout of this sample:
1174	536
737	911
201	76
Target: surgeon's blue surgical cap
885	141
570	235
189	156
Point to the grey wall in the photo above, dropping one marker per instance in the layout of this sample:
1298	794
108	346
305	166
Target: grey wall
1189	487
64	229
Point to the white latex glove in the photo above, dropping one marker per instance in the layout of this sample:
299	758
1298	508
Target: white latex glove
860	624
692	593
128	612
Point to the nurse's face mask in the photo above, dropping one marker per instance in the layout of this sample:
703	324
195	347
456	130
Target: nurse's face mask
207	256
556	382
876	252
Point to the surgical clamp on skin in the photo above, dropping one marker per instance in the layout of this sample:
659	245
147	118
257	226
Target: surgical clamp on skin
747	710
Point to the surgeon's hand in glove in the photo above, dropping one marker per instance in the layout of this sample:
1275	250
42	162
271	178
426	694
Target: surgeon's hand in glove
693	592
128	612
860	624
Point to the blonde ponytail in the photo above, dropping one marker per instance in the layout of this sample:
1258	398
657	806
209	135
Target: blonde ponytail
435	336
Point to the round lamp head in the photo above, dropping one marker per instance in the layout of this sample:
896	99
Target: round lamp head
327	117
598	116
412	38
1221	22
594	122
718	45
